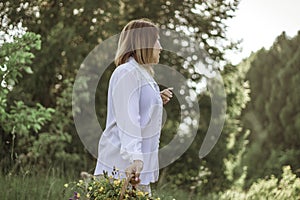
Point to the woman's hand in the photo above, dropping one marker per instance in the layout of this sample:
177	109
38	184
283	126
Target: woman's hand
134	170
166	95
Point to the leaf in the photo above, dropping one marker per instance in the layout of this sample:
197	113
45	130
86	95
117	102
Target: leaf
28	70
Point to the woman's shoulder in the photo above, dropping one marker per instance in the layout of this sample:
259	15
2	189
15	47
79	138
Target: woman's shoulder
128	66
125	69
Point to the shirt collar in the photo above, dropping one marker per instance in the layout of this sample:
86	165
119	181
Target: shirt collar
133	61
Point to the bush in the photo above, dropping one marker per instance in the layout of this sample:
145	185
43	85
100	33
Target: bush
287	188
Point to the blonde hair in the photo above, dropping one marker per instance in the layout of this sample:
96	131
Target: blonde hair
137	39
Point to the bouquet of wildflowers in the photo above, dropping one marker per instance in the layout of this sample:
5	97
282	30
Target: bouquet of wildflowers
106	188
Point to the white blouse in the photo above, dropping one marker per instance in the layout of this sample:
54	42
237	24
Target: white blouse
133	125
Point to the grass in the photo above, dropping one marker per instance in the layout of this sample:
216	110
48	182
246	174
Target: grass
50	186
34	187
167	194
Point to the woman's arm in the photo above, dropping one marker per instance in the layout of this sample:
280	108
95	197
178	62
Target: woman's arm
126	97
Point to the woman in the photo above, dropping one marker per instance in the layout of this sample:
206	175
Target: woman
134	110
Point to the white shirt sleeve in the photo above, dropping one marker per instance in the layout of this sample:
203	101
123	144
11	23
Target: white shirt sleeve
125	99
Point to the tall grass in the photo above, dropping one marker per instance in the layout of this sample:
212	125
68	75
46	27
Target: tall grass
44	186
50	186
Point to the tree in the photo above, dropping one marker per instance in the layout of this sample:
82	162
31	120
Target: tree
273	114
20	123
70	30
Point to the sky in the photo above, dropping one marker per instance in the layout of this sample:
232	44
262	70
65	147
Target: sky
259	22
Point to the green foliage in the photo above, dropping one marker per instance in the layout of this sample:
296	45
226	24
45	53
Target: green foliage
24	186
52	145
286	188
15	57
69	31
237	91
223	167
24	139
273	114
20	124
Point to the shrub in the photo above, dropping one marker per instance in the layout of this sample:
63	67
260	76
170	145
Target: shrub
287	188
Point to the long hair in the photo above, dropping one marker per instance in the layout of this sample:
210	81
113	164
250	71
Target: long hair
137	39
